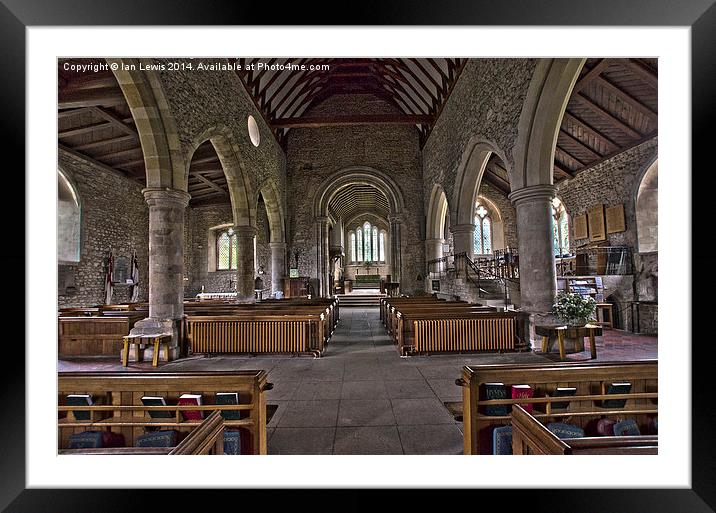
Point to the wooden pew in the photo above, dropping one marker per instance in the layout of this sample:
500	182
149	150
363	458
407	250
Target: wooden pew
94	335
117	404
207	438
530	436
583	411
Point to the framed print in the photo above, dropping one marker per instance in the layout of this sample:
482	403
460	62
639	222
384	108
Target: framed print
615	218
595	218
580	227
167	123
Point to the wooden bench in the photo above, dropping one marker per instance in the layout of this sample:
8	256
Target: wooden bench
530	436
117	404
94	335
207	438
588	379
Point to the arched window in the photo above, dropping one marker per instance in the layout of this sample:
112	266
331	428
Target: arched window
367	242
482	240
381	243
68	221
359	245
560	228
227	250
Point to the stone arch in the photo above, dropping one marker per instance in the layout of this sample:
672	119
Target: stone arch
547	97
469	176
362	175
274	210
69	219
646	207
498	229
240	192
155	124
438	209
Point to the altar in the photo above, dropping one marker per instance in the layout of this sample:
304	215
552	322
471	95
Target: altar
366	281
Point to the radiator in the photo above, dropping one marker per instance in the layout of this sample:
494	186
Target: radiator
439	335
240	336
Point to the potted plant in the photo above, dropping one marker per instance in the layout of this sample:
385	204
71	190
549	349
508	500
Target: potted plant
574	309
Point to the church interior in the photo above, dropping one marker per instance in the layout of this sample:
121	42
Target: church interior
357	256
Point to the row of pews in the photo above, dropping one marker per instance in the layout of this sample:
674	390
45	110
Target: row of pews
118	415
431	325
545	423
293	326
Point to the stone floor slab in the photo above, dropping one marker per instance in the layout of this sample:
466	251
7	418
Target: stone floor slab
367	440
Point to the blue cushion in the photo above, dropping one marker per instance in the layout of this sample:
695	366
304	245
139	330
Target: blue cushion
232	442
86	440
627	427
157	439
502	440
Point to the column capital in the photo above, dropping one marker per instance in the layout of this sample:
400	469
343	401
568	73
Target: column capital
462	228
245	231
543	192
156	196
397	219
322	219
435	241
278	245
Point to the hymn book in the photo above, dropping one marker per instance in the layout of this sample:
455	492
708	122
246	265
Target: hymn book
520	391
615	388
229	398
561	392
80	400
495	391
191	399
157	401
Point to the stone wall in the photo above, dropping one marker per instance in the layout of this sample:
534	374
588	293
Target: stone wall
114	216
485	104
313	154
203	100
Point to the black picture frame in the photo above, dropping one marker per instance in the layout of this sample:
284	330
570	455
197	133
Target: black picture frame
16	15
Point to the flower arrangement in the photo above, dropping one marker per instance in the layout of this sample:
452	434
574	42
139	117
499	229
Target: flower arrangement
574	309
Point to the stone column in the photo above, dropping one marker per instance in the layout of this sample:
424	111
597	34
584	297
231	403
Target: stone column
245	268
463	238
278	265
322	256
166	268
538	281
396	258
433	251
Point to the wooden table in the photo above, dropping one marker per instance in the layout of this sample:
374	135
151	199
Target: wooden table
604	314
561	332
145	339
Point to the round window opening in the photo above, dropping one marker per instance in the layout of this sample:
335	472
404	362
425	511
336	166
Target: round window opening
254	134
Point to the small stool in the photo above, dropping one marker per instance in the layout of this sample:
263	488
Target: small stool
589	330
145	339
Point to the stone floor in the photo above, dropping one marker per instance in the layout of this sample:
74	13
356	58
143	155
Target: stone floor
361	397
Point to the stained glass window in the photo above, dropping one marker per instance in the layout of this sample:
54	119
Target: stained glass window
382	246
560	225
359	244
226	250
375	244
366	241
353	247
482	237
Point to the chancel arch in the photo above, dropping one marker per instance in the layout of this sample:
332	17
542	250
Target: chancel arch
69	220
647	210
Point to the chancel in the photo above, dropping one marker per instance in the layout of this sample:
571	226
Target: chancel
357	256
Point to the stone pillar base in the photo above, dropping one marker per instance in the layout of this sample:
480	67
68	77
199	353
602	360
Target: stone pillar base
149	327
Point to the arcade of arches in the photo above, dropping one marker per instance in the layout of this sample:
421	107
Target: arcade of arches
377	177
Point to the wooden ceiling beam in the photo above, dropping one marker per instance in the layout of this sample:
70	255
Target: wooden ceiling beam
559	149
642	71
591	75
108	96
565	172
104	142
593	131
580	144
607	116
84	129
448	92
72	112
211	184
643	139
627	98
115	154
91	160
378	119
115	120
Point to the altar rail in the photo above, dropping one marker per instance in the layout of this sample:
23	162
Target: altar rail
117	404
587	378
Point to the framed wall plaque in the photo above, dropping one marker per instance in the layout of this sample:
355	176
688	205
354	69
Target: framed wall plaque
580	227
615	218
595	219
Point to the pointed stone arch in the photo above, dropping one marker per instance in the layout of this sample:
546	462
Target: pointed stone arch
438	208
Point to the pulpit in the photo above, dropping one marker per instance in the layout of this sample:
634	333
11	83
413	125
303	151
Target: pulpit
295	287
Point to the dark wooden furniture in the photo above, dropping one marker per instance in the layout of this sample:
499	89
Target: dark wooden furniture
96	335
530	436
295	287
605	315
561	332
584	409
117	404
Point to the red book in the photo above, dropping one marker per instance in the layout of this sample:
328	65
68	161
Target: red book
193	399
520	391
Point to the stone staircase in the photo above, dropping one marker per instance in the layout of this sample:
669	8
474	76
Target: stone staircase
359	300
